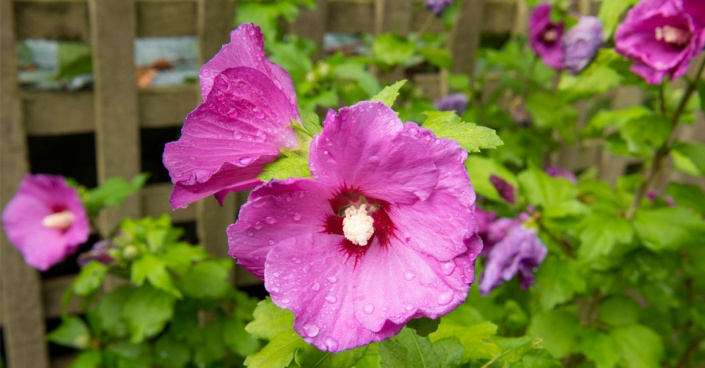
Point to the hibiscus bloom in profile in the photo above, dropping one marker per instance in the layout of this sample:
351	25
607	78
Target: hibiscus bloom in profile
545	36
520	251
437	6
662	37
457	102
581	43
383	233
45	220
241	125
559	172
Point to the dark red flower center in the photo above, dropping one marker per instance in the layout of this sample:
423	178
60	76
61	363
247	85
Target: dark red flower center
674	36
550	35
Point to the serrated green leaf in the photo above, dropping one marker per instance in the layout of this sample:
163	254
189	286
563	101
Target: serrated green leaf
149	267
206	280
618	311
391	49
558	329
639	346
237	339
600	233
610	14
480	169
71	332
557	281
668	228
113	192
311	122
600	348
288	165
389	94
170	352
88	359
543	190
314	358
441	58
146	312
270	320
423	326
689	158
687	195
108	311
408	350
596	79
646	132
470	136
279	352
90	278
472	331
514	349
212	347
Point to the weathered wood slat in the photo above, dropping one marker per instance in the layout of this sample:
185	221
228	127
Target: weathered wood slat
20	299
161	107
155	201
166	19
52	19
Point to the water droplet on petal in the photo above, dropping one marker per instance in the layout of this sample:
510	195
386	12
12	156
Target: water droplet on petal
275	289
414	131
297	216
448	267
369	308
311	330
296	260
332	279
251	31
245	160
271	220
237	135
315	286
271	241
331	344
409	307
331	299
285	301
250	232
445	298
408	275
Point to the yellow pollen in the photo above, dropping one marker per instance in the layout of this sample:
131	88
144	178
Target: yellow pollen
357	225
60	220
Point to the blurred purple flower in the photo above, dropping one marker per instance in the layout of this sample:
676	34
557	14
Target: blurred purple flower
559	172
661	37
505	190
581	43
46	220
545	36
652	195
241	125
520	252
457	102
437	6
99	252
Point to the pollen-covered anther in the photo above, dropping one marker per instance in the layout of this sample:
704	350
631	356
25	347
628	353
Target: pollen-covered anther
358	225
672	35
60	220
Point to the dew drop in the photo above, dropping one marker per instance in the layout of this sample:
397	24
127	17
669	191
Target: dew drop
311	330
408	275
302	194
445	298
271	220
448	267
296	260
316	286
237	135
369	308
251	31
245	160
332	279
258	225
409	307
275	289
297	216
331	299
285	301
250	232
414	131
331	344
232	113
271	241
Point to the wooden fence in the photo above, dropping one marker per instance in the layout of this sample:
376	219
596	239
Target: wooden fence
116	111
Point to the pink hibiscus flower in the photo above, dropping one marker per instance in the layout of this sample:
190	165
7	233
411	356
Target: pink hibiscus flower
383	233
241	125
45	220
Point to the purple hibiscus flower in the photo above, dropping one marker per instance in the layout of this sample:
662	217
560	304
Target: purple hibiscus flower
241	125
45	220
383	233
581	43
519	252
457	102
545	36
661	37
437	6
505	190
559	172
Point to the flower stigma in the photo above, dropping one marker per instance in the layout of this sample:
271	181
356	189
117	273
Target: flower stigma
357	225
60	220
672	35
551	35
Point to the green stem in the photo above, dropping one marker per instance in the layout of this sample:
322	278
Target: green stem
663	151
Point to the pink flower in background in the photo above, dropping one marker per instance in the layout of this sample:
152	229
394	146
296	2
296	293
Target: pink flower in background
241	125
559	172
545	36
581	43
662	37
383	233
519	252
45	220
457	102
437	6
505	190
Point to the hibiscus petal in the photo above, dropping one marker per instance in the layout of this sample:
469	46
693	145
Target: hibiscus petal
275	211
312	277
414	284
363	148
246	48
227	140
439	225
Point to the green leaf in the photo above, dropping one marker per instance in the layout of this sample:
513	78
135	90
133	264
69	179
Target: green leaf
548	111
128	355
424	326
557	281
314	358
689	158
470	136
237	339
170	352
441	58
687	195
146	312
113	192
71	332
515	349
639	346
480	169
291	164
616	118
109	308
600	348
149	267
610	14
74	59
90	278
206	280
270	321
596	79
88	359
391	49
646	132
409	350
558	329
668	228
472	331
212	347
618	311
543	190
389	94
279	352
600	233
311	122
